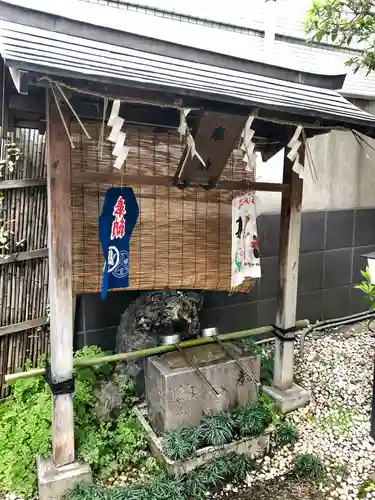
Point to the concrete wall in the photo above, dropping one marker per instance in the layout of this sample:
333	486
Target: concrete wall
345	173
338	226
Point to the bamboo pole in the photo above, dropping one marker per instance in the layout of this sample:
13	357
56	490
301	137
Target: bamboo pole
143	353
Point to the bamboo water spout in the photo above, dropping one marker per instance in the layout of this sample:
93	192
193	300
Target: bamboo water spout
143	353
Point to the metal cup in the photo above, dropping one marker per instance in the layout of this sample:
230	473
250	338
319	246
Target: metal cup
209	332
169	339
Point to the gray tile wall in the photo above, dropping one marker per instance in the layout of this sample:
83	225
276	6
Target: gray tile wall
330	262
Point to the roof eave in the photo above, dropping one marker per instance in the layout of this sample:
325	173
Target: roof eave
236	105
37	19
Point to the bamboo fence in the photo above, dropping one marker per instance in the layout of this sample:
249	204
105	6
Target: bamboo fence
24	265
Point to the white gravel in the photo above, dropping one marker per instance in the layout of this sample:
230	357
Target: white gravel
338	370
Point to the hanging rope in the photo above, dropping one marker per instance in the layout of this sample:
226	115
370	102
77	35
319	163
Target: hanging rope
62	116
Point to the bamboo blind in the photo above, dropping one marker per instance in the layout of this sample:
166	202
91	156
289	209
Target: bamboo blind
182	239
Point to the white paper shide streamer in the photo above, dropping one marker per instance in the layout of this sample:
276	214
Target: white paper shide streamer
185	134
245	246
247	146
293	155
120	151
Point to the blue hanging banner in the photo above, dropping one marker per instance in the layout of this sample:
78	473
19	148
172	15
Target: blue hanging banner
116	223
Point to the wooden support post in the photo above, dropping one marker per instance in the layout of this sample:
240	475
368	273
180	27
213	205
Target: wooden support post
290	229
60	281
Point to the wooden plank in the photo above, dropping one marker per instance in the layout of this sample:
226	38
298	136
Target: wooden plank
22	183
290	233
168	181
215	135
60	281
19	256
25	325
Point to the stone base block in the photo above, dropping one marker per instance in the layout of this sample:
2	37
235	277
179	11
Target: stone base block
290	399
176	395
54	482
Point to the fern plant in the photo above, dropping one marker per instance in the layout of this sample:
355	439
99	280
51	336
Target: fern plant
181	443
25	431
217	430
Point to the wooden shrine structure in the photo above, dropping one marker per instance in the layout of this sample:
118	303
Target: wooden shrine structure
43	52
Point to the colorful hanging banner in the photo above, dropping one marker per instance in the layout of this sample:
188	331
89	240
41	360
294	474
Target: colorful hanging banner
116	223
245	246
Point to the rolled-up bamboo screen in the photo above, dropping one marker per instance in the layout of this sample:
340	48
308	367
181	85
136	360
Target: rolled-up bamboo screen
182	239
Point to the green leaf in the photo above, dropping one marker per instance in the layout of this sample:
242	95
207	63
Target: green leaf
25	432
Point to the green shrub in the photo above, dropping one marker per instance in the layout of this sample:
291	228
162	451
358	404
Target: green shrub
181	443
240	466
251	347
163	488
129	493
266	370
217	430
254	418
220	429
309	466
217	471
192	486
196	485
25	430
266	362
366	488
286	434
84	491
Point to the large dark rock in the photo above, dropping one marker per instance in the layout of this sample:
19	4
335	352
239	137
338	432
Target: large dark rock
150	315
153	314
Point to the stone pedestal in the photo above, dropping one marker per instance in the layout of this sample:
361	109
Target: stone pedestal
176	395
289	399
54	482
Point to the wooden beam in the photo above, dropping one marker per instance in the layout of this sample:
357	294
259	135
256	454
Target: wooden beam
20	79
290	233
22	183
20	256
25	325
168	181
60	281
